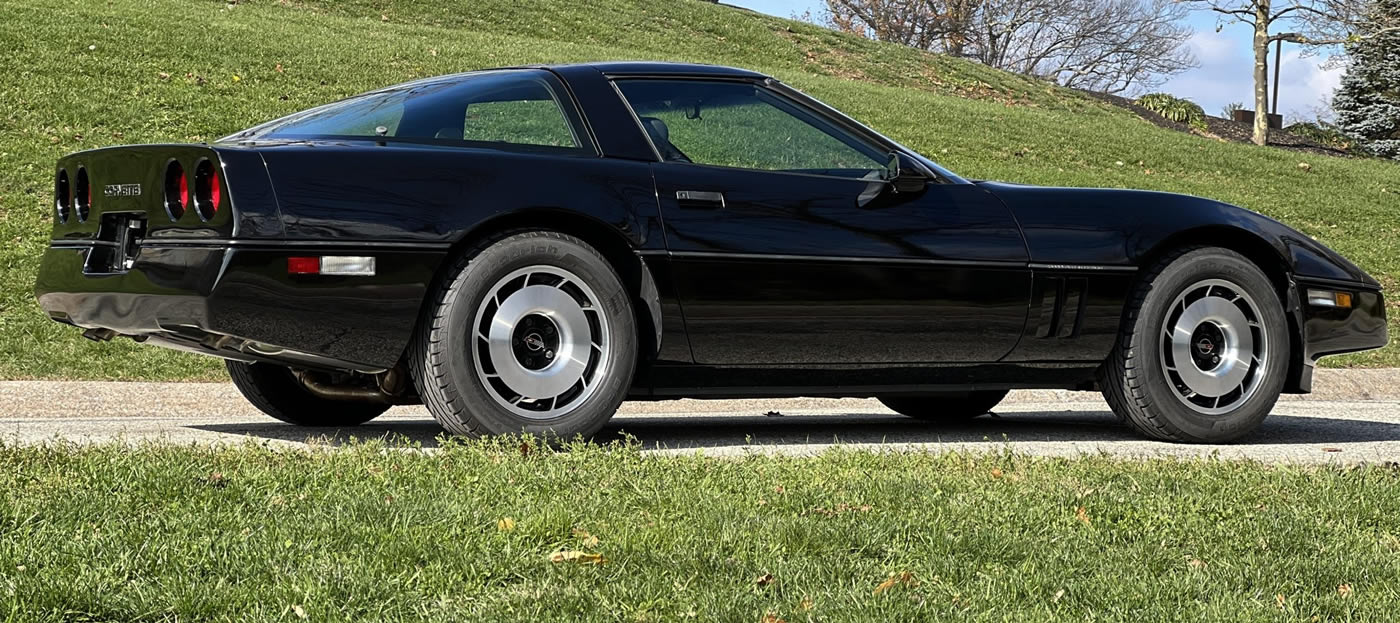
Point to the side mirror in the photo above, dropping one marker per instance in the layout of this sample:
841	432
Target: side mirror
904	175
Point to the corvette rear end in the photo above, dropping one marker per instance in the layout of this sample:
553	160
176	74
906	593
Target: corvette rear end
182	246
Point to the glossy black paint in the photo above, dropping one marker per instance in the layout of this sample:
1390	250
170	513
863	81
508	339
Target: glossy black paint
798	284
933	277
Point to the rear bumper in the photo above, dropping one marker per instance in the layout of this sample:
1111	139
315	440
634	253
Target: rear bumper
1324	331
237	301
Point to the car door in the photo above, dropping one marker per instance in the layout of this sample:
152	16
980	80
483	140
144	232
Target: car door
788	246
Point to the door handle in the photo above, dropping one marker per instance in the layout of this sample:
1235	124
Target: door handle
700	199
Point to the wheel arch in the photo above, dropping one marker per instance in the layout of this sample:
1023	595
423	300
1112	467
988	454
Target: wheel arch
615	247
1258	250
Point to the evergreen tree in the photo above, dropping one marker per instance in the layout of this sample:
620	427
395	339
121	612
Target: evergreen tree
1368	102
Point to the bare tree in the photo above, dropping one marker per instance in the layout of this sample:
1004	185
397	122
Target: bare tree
1102	45
926	24
1309	22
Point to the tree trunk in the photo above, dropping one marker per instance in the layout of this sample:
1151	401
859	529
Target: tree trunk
1261	71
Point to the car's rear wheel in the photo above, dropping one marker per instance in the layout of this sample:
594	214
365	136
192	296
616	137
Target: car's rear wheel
945	406
532	333
274	390
1203	350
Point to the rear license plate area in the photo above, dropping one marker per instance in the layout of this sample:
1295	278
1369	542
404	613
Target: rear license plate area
118	241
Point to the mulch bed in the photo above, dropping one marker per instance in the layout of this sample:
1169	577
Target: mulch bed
1223	129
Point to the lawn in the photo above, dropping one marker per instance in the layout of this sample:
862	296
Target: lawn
508	531
83	75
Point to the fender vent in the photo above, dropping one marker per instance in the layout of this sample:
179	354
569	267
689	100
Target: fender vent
1060	303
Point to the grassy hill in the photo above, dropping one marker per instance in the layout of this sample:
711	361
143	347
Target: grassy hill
83	75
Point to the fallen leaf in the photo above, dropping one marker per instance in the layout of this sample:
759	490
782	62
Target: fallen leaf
236	78
278	68
1280	599
1058	594
1196	562
1344	590
764	580
505	524
771	618
583	558
1331	449
217	480
806	604
996	473
299	611
1082	515
163	75
903	578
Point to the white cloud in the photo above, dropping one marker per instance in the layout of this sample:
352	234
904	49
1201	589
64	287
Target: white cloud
1211	47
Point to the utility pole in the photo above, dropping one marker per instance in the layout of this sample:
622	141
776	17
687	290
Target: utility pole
1278	66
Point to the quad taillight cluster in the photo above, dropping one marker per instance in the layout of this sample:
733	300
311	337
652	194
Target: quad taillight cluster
73	194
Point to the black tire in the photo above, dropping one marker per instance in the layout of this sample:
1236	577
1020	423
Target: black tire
946	406
274	391
1142	380
452	357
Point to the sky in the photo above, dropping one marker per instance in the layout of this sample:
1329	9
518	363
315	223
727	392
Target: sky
1225	74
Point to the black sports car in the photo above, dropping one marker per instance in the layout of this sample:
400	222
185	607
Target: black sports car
522	249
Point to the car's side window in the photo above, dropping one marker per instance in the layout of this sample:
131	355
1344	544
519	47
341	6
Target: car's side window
741	124
522	121
493	108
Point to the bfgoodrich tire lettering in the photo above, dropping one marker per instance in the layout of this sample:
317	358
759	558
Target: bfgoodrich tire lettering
530	332
1215	380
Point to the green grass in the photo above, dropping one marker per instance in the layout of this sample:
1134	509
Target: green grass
466	533
82	75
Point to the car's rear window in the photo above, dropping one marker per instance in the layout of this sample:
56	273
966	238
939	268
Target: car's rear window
502	108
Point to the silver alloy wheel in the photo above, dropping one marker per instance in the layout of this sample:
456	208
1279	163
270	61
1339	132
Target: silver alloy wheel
541	342
1214	348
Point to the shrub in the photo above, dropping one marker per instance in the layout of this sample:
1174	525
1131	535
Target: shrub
1175	109
1325	134
1228	112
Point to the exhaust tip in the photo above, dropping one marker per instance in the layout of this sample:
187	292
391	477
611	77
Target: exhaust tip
100	335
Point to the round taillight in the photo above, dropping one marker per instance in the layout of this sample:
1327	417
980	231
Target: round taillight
62	196
82	201
177	190
207	190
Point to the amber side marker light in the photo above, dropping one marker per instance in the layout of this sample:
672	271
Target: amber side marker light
1328	298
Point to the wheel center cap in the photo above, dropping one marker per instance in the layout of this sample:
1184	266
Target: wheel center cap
534	342
1206	342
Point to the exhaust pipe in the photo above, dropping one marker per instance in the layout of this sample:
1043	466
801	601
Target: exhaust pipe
100	335
388	389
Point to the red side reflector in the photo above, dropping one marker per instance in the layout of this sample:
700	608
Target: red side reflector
303	266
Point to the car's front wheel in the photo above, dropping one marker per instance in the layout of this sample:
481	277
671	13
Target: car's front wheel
532	333
1203	349
946	405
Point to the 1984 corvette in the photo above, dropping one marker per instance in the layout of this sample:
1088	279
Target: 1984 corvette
522	249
